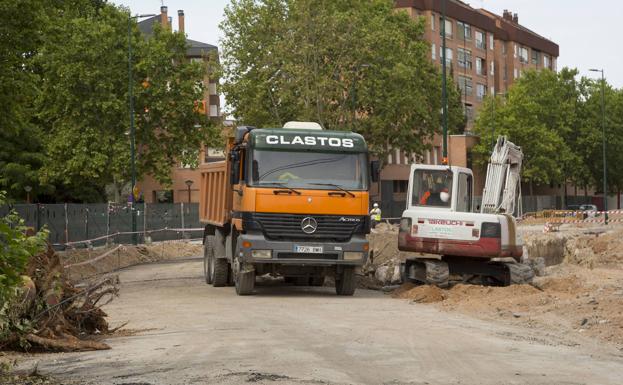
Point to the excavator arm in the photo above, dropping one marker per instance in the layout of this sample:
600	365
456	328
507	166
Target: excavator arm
502	192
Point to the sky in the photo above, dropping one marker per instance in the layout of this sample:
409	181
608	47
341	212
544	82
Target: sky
587	31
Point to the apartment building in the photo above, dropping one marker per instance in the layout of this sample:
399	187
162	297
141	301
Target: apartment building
185	186
485	54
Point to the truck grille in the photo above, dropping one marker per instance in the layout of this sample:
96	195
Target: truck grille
288	226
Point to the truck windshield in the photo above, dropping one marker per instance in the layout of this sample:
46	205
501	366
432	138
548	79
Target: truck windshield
306	169
431	188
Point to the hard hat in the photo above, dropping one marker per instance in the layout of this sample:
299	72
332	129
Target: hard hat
444	196
376	205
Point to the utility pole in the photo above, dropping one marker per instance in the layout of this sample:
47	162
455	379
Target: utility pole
132	131
603	140
444	95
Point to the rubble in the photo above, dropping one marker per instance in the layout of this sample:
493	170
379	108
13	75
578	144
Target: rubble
52	313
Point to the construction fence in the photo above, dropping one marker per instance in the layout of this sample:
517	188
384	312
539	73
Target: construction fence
95	224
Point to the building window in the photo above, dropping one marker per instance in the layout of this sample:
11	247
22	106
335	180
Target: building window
481	91
434	51
491	42
523	54
536	57
492	91
515	73
469	112
553	64
505	72
514	50
492	68
480	40
448	28
212	88
448	55
546	62
213	110
400	186
432	21
464	30
465	84
481	66
464	58
503	48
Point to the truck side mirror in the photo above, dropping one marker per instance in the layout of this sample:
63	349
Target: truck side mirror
234	177
375	166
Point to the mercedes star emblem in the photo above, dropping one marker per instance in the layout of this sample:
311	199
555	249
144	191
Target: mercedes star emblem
309	225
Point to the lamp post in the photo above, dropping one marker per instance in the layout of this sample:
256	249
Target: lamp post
189	183
444	95
603	133
132	132
28	189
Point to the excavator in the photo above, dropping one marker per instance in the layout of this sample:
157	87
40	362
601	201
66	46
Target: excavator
452	239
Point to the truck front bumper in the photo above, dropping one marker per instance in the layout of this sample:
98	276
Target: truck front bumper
255	248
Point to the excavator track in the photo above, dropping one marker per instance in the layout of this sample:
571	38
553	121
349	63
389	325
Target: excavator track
519	273
426	271
436	272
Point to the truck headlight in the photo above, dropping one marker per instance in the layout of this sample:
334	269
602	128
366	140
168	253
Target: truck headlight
262	254
353	255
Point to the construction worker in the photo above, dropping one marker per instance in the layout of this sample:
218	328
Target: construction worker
375	215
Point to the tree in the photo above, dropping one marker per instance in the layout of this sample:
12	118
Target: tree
540	114
347	64
84	101
591	140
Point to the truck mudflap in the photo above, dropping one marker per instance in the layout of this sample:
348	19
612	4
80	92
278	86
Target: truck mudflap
481	248
255	248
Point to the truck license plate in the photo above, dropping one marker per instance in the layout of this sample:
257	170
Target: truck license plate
308	249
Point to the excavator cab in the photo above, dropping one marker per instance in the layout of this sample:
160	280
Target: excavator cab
447	188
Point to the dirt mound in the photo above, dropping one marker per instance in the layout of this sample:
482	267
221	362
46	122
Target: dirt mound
570	284
84	263
593	250
421	294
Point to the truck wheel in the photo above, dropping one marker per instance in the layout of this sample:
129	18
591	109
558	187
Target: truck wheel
220	268
208	253
345	282
243	280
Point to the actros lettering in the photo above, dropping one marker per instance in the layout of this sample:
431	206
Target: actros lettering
310	141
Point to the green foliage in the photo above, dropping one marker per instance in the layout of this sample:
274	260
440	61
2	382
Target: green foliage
347	64
541	113
16	248
64	112
169	127
591	139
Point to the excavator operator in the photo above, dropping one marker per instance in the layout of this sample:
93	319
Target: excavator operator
437	196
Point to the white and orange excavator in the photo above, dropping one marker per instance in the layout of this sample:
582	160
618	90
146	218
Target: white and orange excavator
450	238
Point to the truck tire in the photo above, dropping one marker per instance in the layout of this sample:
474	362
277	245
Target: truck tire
345	282
243	280
220	269
208	253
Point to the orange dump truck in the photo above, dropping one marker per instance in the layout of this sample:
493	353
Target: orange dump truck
289	202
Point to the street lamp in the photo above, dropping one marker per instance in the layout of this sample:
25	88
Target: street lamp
603	133
132	133
28	189
189	183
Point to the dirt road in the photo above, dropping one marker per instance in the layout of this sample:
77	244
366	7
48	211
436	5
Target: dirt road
191	333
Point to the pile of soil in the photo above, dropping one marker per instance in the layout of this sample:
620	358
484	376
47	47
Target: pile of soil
570	299
84	263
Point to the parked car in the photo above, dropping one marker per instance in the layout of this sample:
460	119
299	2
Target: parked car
590	211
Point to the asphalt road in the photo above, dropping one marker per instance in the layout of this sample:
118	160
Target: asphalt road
191	333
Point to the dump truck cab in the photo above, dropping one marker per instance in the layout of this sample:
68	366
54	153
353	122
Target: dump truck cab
299	206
